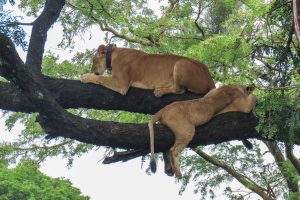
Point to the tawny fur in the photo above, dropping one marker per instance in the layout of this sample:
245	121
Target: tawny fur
182	118
163	73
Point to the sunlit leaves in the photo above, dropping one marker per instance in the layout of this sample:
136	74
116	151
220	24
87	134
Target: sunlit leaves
118	116
226	55
2	79
31	142
32	7
66	69
280	114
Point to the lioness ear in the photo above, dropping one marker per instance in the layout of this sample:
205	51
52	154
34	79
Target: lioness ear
101	49
250	89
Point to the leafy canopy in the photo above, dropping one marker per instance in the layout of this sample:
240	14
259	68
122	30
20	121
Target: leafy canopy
25	181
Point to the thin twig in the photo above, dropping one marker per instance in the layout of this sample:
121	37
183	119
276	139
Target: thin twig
290	87
20	23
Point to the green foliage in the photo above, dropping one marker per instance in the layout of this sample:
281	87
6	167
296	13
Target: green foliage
9	26
2	79
31	143
251	165
227	56
25	181
118	116
11	29
32	6
279	114
66	69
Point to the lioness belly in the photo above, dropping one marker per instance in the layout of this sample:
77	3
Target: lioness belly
141	85
148	78
153	85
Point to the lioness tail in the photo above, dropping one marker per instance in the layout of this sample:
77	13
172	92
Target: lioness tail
154	119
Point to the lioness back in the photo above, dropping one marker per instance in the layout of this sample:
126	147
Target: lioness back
150	71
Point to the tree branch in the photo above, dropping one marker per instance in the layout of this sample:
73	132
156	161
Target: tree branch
270	66
124	156
296	16
242	179
39	31
292	181
290	155
20	23
74	94
197	18
104	27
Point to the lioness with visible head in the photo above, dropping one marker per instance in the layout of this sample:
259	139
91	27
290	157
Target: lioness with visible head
182	118
163	73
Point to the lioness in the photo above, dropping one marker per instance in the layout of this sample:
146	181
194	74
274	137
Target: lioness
163	73
182	118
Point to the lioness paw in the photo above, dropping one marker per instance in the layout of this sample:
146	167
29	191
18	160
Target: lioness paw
158	93
85	78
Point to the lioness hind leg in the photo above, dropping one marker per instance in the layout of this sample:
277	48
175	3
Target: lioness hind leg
194	77
176	88
168	163
183	138
251	100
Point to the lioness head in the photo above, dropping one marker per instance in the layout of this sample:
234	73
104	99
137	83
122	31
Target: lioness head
243	90
238	90
99	63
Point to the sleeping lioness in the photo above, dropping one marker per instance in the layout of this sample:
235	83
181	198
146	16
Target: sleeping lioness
184	116
163	73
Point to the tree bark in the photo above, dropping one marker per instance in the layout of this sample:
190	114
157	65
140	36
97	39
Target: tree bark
290	178
74	94
39	31
296	16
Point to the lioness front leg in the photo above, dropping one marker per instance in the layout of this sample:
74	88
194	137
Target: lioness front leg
158	92
119	84
175	88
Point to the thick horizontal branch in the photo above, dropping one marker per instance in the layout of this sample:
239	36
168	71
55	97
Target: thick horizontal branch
224	127
74	94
